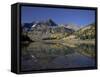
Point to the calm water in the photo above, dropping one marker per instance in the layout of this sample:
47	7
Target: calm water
36	56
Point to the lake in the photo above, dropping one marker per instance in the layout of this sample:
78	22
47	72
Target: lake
41	55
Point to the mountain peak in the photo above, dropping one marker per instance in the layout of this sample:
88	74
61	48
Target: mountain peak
72	26
50	22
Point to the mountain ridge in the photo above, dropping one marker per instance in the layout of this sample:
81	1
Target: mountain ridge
49	29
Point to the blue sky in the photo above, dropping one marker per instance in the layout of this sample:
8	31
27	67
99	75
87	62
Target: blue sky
60	16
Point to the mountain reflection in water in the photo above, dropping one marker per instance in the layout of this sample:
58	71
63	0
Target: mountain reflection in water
37	55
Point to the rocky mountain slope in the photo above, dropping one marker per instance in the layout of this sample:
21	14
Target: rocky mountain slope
88	32
46	30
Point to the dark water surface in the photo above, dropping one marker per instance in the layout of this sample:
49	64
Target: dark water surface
37	55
